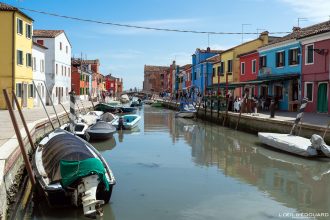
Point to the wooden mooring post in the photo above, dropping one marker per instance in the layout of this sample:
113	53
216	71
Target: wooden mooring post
19	138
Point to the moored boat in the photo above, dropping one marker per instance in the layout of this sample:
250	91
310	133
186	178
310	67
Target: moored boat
186	111
79	128
125	109
107	108
71	172
157	104
100	130
129	121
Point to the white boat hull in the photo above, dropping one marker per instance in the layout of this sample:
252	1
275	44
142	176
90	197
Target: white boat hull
289	143
185	114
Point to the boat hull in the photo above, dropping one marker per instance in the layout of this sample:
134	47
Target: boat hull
185	114
289	143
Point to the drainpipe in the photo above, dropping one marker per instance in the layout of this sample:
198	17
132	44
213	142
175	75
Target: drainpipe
13	61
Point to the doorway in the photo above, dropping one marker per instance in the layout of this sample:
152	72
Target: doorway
24	95
322	98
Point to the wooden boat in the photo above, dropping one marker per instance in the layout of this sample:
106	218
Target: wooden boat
186	111
71	172
125	109
107	108
157	104
99	131
129	121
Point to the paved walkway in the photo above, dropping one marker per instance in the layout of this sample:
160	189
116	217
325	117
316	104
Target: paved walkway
31	115
308	118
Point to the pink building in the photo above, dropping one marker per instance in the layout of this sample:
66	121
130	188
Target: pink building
315	67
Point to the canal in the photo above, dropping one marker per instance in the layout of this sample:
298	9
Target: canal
174	168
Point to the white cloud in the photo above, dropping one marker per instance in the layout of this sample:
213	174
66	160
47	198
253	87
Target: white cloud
316	10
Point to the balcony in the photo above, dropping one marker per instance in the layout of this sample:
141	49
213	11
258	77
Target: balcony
265	71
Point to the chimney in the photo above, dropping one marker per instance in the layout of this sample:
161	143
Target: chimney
295	29
208	49
264	37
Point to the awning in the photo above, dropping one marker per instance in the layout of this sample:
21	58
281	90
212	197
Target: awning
258	81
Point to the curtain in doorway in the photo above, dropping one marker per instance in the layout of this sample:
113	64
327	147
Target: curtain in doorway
322	98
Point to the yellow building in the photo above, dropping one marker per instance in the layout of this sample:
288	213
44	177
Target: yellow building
16	55
229	64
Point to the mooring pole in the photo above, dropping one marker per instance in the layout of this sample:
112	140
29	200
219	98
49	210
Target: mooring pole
72	110
43	105
19	138
50	98
23	120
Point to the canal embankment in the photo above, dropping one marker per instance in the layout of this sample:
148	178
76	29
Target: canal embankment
262	122
11	161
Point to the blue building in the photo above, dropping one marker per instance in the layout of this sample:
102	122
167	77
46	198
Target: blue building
202	69
280	72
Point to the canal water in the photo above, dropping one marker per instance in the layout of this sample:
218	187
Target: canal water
174	168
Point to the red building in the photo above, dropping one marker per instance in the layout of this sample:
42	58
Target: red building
113	85
315	68
249	67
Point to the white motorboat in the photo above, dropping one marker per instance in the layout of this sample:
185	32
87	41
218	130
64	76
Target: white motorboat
129	121
71	172
186	111
79	128
124	98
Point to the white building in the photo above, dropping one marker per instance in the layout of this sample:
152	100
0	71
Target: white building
58	63
39	76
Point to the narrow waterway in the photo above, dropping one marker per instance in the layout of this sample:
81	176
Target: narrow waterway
174	168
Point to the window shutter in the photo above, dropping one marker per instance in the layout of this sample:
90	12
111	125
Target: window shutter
260	62
298	55
290	56
283	58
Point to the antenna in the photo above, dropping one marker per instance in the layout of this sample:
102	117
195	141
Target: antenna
243	30
302	19
208	40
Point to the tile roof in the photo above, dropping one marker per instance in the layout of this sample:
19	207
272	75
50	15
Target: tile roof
298	33
148	68
214	59
47	33
247	53
208	50
6	7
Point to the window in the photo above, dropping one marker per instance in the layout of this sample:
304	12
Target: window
56	91
29	60
34	64
28	31
309	91
19	26
69	72
41	42
42	66
309	54
19	57
242	68
65	71
62	70
195	75
230	66
278	91
218	70
293	56
66	49
280	59
254	66
19	90
56	69
60	45
31	91
262	61
81	91
222	68
213	72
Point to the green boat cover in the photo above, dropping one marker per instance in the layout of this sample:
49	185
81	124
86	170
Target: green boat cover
73	170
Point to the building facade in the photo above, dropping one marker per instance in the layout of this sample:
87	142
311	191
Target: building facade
39	76
249	68
154	78
315	67
16	55
58	63
201	69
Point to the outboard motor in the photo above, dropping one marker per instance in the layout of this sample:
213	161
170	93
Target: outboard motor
319	144
121	123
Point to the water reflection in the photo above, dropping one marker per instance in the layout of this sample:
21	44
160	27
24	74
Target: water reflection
297	182
174	168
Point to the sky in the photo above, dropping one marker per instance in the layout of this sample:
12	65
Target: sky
123	52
